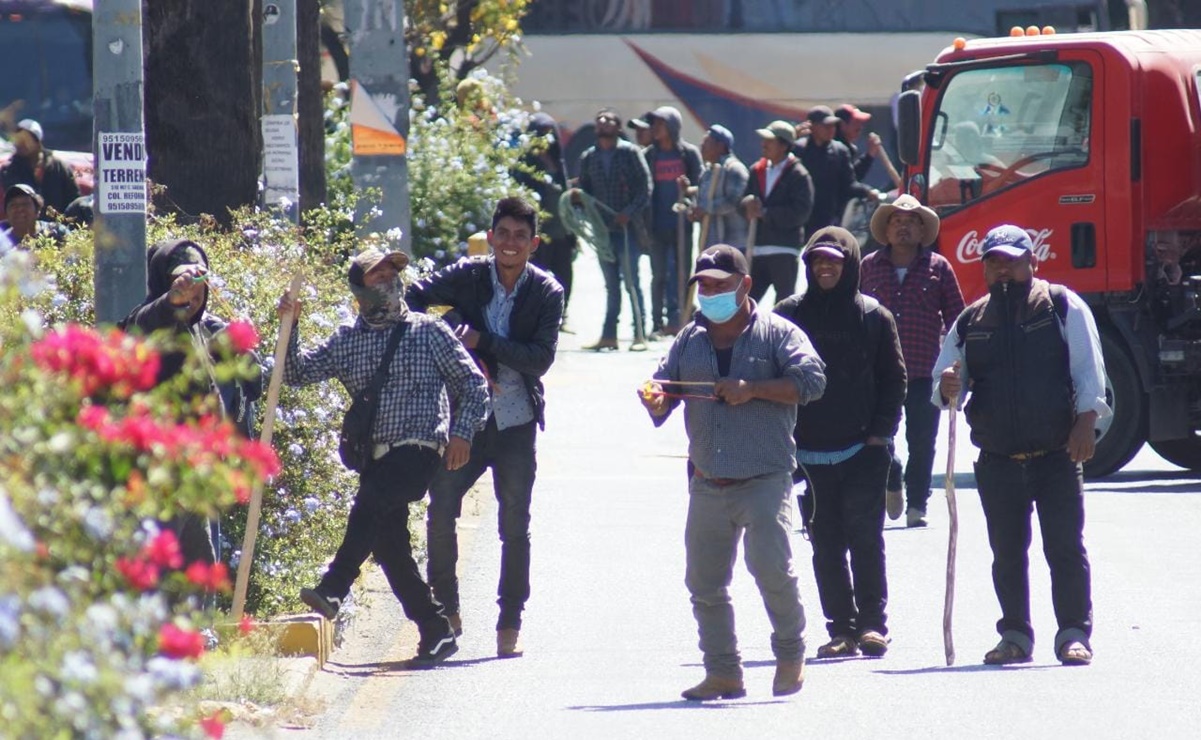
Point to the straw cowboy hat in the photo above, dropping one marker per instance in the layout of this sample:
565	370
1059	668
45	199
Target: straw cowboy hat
908	204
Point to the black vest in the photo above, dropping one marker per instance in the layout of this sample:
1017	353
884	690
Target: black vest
1017	359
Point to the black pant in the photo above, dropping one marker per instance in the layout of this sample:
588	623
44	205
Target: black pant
1009	489
512	456
921	433
557	257
777	270
379	526
845	511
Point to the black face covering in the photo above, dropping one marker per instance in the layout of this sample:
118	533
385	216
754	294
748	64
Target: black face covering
381	305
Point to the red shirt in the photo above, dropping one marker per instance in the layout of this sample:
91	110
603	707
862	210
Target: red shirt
925	305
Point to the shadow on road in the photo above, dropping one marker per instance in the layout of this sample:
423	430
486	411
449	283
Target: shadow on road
677	704
399	667
1146	481
978	667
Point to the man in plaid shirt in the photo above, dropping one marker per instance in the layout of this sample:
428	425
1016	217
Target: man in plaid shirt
415	431
920	289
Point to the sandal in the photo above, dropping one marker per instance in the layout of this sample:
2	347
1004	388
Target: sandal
1075	652
1007	652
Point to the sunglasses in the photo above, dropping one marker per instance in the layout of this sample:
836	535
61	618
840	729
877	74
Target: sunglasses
606	119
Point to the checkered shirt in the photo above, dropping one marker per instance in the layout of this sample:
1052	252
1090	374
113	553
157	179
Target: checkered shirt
753	438
414	405
625	186
925	305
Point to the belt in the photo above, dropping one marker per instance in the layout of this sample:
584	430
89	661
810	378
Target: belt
1024	456
721	482
383	449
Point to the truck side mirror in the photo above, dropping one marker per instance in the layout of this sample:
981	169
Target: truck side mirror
909	126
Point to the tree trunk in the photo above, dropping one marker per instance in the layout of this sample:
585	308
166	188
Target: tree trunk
202	105
311	105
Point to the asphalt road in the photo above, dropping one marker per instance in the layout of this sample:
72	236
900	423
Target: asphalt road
610	640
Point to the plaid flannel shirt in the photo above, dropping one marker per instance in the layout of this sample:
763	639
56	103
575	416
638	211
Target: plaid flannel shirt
414	404
925	305
625	186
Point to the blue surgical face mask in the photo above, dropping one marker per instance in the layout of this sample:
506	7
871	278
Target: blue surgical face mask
719	308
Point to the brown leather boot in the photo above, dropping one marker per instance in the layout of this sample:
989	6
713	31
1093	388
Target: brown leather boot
715	687
508	644
790	676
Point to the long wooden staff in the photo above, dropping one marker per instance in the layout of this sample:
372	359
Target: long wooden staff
256	496
952	539
750	241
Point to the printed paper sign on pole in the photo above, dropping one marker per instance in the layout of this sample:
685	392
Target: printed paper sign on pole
121	173
371	128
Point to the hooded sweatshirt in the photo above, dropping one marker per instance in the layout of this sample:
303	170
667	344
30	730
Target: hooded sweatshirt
156	312
666	167
857	338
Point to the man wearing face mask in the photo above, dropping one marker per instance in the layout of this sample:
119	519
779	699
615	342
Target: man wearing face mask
740	463
843	441
433	402
1030	355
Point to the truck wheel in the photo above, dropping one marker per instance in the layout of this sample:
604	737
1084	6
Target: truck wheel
1121	435
1183	452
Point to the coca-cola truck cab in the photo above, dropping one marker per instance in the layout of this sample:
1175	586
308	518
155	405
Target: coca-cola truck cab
1092	142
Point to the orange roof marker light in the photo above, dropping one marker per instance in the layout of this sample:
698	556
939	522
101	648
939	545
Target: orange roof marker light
960	43
1048	30
1016	31
1032	31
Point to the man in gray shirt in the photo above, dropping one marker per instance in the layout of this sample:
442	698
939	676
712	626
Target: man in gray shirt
741	455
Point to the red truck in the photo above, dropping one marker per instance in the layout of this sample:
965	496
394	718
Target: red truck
1092	142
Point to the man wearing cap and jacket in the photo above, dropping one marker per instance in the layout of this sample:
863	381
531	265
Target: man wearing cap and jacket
22	204
1029	355
510	312
779	193
674	164
740	463
416	431
920	289
36	166
719	193
829	164
842	441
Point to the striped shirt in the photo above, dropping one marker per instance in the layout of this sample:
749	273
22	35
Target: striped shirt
753	438
925	303
414	403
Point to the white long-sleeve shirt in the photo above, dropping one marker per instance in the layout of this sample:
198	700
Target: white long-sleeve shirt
1086	364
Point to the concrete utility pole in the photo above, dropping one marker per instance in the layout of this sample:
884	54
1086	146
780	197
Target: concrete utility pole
379	112
281	165
120	156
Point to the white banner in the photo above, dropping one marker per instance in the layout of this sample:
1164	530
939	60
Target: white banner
121	173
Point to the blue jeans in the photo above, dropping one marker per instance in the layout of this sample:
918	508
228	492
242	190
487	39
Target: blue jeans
511	454
1009	490
614	274
921	432
665	282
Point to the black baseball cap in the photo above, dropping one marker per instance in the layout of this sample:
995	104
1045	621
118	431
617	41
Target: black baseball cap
720	261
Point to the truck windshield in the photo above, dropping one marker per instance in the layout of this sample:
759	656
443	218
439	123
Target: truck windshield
46	56
997	127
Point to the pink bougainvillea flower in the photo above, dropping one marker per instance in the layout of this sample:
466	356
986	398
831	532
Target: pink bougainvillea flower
213	726
93	417
213	577
246	626
178	643
114	362
261	457
164	550
141	574
243	335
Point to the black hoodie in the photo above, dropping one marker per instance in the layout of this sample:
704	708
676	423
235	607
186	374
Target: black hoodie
156	312
857	338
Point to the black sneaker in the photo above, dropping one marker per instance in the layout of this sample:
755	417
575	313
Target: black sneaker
437	642
326	606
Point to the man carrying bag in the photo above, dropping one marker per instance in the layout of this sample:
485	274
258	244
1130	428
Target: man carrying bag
412	432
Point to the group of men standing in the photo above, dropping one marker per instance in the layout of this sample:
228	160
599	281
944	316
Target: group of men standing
655	191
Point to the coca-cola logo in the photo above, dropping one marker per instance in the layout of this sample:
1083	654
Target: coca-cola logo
971	246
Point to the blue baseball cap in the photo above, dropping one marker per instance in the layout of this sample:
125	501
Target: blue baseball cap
722	134
1009	240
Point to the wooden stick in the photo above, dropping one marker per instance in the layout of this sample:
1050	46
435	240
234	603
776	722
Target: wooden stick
952	538
683	382
256	496
750	241
686	300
